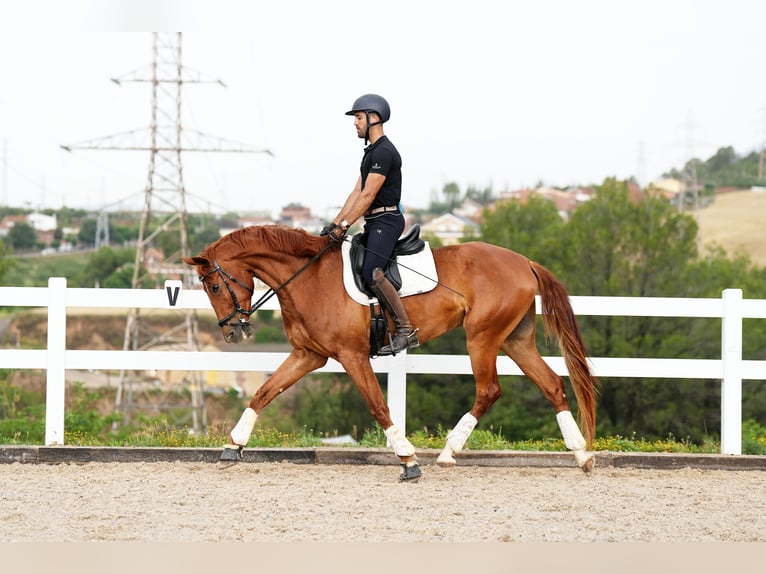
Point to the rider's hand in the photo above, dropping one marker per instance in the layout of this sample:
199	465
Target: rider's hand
335	231
338	233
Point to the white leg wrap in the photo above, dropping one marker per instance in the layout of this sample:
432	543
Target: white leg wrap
458	436
456	440
240	434
399	442
573	438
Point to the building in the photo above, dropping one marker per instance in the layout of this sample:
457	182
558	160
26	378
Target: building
44	226
450	229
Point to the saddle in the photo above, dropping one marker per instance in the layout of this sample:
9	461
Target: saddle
408	244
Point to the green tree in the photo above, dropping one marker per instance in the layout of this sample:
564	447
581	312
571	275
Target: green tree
22	237
102	264
87	233
723	169
533	228
7	262
483	196
204	236
451	192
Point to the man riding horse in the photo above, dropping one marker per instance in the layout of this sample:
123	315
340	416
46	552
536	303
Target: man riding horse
376	196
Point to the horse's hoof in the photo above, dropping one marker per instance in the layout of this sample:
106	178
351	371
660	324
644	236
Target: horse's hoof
231	453
446	460
410	473
588	464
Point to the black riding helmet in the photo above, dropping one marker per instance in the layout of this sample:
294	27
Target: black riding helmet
371	103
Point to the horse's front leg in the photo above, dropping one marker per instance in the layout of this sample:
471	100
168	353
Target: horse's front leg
360	371
299	363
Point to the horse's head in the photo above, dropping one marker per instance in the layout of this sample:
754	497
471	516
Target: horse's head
229	291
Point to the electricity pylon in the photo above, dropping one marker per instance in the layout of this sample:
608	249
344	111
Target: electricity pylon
164	222
762	155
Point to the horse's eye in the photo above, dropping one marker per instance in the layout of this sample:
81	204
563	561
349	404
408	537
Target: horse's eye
215	288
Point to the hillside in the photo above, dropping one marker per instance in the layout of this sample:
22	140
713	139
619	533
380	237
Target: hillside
736	221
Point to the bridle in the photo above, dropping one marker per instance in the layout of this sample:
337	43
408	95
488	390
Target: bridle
244	319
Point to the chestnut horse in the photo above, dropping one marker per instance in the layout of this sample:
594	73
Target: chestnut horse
488	290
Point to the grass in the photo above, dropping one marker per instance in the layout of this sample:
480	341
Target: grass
159	435
84	426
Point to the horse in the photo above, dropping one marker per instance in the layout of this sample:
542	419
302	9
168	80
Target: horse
487	289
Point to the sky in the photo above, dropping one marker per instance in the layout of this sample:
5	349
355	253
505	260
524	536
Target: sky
483	94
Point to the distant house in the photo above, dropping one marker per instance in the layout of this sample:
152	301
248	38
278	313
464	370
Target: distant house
669	187
227	227
42	222
450	228
44	226
9	221
469	209
566	201
295	215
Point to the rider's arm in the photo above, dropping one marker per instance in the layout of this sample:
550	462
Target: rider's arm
360	199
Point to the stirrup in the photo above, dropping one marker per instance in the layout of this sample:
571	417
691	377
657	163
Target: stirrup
401	342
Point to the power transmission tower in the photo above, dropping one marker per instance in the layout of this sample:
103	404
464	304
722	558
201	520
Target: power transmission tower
690	183
164	222
762	157
5	173
102	230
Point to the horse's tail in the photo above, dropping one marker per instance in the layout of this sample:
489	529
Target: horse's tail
559	319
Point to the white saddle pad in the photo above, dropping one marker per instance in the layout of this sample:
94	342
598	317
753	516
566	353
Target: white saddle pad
418	274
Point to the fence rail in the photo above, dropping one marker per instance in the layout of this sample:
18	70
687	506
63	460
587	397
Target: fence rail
730	368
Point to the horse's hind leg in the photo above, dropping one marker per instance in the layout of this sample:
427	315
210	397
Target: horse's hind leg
484	365
520	346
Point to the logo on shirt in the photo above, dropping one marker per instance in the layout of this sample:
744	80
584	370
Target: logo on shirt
376	165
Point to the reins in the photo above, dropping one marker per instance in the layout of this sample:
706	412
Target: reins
263	298
271	292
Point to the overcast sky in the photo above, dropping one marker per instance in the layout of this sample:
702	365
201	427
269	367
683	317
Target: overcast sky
501	94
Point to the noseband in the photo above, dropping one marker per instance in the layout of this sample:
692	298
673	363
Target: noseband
226	277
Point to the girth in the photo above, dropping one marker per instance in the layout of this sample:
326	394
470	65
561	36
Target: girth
408	244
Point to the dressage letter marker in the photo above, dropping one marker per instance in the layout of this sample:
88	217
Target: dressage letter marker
173	290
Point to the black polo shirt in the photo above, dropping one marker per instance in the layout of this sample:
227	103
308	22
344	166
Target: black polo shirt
383	158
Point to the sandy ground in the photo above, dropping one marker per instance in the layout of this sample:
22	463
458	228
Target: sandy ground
285	502
735	221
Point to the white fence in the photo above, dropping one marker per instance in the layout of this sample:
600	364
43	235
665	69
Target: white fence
729	368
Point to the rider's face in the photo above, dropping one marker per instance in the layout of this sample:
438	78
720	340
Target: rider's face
360	123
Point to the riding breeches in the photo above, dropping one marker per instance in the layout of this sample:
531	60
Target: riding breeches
382	233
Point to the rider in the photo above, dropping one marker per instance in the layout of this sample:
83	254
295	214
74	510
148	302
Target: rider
376	196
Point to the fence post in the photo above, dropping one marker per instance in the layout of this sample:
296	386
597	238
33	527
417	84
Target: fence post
56	359
731	384
397	389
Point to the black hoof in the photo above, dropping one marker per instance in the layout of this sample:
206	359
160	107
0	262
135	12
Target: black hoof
232	453
410	473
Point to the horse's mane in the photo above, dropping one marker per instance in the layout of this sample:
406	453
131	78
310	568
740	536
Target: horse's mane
274	238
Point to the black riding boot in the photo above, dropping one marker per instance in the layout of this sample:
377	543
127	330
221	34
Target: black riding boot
405	336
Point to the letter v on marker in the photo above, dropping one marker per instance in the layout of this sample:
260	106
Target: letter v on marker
173	290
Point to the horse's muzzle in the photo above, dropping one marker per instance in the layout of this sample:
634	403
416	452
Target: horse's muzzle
237	332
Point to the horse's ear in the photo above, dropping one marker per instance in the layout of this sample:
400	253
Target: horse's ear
198	261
